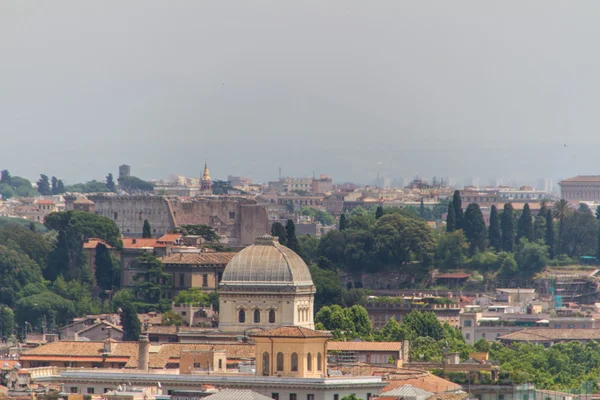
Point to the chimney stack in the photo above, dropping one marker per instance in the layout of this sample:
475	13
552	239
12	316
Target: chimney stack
143	353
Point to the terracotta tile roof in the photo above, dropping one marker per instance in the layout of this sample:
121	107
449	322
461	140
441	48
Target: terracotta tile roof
92	243
291	332
198	258
162	330
364	346
425	381
582	179
154	319
172	351
449	396
550	334
106	323
50	202
169	237
452	276
134	243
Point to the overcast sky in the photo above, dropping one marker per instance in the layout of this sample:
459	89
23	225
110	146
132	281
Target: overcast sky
346	88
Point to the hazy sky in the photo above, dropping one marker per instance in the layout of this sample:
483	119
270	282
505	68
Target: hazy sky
347	88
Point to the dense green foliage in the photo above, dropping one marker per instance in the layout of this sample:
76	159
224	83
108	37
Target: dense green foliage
152	282
474	228
494	233
146	230
133	184
278	231
192	296
508	228
321	216
205	231
89	187
170	318
132	327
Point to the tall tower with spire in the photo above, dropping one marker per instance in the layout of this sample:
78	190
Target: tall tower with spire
206	182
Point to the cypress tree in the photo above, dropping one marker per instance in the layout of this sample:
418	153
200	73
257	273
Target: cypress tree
598	212
550	233
379	212
458	211
278	231
494	235
539	222
292	240
508	228
474	227
146	230
422	209
343	222
525	224
130	323
450	218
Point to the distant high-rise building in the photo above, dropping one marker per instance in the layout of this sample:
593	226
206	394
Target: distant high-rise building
124	170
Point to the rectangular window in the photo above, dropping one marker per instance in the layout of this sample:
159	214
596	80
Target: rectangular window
231	214
557	326
275	396
106	390
336	396
181	279
220	276
571	326
467	336
310	397
468	323
73	389
90	390
368	396
294	397
205	280
196	365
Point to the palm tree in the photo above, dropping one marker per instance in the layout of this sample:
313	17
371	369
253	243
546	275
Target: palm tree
561	211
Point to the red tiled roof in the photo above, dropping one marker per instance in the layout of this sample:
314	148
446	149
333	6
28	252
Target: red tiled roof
134	243
428	382
169	237
198	258
291	332
50	202
582	179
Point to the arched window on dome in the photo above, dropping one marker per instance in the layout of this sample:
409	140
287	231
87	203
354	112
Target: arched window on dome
271	316
309	362
242	316
319	360
265	364
257	315
294	362
279	361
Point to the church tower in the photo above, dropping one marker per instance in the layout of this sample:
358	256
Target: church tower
206	182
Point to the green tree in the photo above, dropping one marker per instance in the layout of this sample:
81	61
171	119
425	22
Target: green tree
170	318
74	228
379	212
60	187
422	209
458	211
45	305
531	257
132	184
474	227
525	224
344	223
278	231
579	234
205	231
107	270
597	212
5	177
549	236
332	246
451	250
291	240
131	323
399	240
539	223
152	282
110	183
121	298
328	286
192	296
54	185
16	270
561	211
392	331
451	218
482	345
351	397
420	324
43	185
146	230
309	244
7	321
6	191
508	228
494	233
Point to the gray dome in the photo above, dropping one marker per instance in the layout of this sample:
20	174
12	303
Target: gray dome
267	262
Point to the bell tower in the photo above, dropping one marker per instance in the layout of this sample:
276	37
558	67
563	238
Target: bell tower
206	182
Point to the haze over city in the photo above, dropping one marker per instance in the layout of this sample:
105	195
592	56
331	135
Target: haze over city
350	89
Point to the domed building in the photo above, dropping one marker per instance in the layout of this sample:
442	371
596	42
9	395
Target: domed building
264	286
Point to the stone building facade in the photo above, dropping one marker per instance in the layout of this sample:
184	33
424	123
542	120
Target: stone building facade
581	188
264	286
235	218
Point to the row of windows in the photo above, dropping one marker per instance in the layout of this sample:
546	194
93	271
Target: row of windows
293	362
256	319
